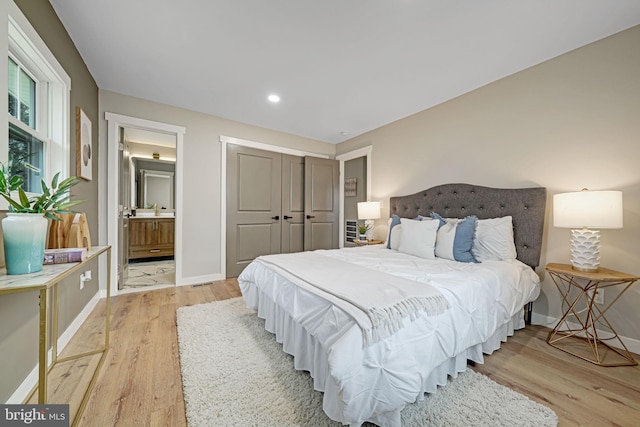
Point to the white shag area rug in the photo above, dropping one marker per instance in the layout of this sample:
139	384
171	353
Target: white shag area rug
234	373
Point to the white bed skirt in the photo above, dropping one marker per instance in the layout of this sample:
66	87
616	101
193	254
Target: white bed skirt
310	356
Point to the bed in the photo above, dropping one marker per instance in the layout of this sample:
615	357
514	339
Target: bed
441	312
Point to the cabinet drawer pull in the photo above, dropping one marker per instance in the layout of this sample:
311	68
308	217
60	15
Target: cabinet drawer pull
154	250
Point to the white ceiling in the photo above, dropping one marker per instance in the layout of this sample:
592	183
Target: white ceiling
341	67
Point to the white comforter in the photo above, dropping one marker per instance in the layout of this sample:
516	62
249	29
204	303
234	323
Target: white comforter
374	383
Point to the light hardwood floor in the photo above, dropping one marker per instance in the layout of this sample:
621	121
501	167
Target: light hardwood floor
140	382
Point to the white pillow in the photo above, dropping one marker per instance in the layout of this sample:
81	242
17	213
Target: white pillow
418	237
395	236
394	221
494	240
445	238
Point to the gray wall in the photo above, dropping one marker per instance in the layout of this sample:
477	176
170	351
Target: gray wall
19	312
568	123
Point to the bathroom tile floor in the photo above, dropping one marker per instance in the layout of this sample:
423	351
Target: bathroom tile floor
151	273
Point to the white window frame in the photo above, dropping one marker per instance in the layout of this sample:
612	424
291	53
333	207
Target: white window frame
53	86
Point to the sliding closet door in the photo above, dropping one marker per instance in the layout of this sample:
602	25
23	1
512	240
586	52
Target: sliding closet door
292	204
321	203
253	205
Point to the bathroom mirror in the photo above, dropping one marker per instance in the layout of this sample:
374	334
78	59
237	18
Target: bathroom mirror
157	189
153	183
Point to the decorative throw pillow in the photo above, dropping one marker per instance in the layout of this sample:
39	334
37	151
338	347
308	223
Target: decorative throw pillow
494	240
454	239
395	237
395	220
418	237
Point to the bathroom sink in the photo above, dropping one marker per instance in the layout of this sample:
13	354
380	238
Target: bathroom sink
145	214
166	214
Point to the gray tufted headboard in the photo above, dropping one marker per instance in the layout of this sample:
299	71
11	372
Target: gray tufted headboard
525	205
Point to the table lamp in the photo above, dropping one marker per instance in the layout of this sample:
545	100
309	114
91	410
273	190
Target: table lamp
369	211
582	211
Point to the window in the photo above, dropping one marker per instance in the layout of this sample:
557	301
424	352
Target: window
22	94
25	148
24	145
38	119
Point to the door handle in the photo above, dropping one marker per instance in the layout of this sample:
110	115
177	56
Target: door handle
277	217
287	217
310	216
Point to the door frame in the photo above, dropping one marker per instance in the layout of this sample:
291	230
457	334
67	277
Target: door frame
114	122
224	140
355	154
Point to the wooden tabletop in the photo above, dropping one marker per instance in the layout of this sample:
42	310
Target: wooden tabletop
603	274
367	242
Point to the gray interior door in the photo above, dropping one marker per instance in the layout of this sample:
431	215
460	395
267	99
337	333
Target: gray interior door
292	204
253	205
321	180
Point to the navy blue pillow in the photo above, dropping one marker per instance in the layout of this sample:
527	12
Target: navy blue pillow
456	244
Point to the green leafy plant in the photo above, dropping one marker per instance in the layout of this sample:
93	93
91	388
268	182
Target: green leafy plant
55	199
363	228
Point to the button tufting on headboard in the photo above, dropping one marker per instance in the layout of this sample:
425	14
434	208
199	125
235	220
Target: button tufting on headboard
526	206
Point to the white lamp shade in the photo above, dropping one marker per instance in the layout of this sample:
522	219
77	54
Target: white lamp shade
368	210
592	209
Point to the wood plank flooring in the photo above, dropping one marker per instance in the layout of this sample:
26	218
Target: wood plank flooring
140	382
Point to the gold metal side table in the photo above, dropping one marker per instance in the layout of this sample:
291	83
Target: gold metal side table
589	317
46	282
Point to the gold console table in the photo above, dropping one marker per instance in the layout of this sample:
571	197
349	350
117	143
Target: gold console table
43	281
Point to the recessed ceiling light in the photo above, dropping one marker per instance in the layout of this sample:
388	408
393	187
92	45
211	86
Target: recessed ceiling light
273	98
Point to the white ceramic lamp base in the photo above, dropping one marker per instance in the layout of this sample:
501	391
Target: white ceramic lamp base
369	232
585	250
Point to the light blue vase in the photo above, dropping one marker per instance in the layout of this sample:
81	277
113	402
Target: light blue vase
24	238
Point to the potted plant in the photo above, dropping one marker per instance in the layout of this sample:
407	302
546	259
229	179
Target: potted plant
25	227
362	231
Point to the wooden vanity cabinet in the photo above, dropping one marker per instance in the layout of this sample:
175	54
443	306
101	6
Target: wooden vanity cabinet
151	237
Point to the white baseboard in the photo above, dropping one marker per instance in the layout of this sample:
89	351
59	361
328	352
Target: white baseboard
23	390
633	345
196	280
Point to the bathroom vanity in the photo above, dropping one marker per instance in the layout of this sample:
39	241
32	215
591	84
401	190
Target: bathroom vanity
151	236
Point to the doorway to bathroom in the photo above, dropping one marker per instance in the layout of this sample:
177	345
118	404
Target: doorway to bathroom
137	219
148	198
